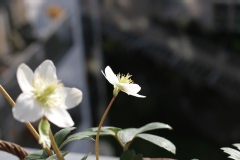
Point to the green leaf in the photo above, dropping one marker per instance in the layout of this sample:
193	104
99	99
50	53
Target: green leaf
127	135
74	137
87	134
105	130
54	157
130	155
159	141
154	125
61	135
114	129
102	133
85	157
41	154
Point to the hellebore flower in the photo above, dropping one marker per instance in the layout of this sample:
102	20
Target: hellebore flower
44	95
234	154
122	83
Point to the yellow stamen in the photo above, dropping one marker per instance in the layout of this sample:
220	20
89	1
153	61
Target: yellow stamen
124	78
46	92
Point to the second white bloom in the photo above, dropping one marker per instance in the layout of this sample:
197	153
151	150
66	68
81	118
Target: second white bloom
122	83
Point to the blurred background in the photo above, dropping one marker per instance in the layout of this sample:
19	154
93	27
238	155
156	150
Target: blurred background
184	54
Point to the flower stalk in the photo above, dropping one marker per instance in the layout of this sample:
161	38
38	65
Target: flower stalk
99	128
29	126
54	146
122	83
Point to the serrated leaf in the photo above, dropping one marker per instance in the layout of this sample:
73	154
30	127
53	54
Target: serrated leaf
85	157
153	126
54	157
74	137
62	134
130	155
159	141
41	154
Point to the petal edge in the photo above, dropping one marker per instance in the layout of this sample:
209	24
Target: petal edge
27	109
60	117
74	97
110	76
25	77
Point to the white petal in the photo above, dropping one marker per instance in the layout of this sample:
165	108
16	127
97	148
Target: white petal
131	89
74	97
25	78
110	76
135	94
60	117
27	109
47	70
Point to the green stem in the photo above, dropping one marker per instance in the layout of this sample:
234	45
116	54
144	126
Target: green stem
55	147
127	145
29	126
119	141
99	128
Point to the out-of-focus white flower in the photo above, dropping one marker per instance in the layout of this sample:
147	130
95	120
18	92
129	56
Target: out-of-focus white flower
234	154
44	95
122	83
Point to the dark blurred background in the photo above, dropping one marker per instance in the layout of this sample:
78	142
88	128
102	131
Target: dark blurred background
184	54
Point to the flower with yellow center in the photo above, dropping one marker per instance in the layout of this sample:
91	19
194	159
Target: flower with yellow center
122	83
43	95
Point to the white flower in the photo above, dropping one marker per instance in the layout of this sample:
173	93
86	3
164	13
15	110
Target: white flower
234	154
122	83
43	95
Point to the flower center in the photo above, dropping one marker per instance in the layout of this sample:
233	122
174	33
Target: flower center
124	78
48	93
